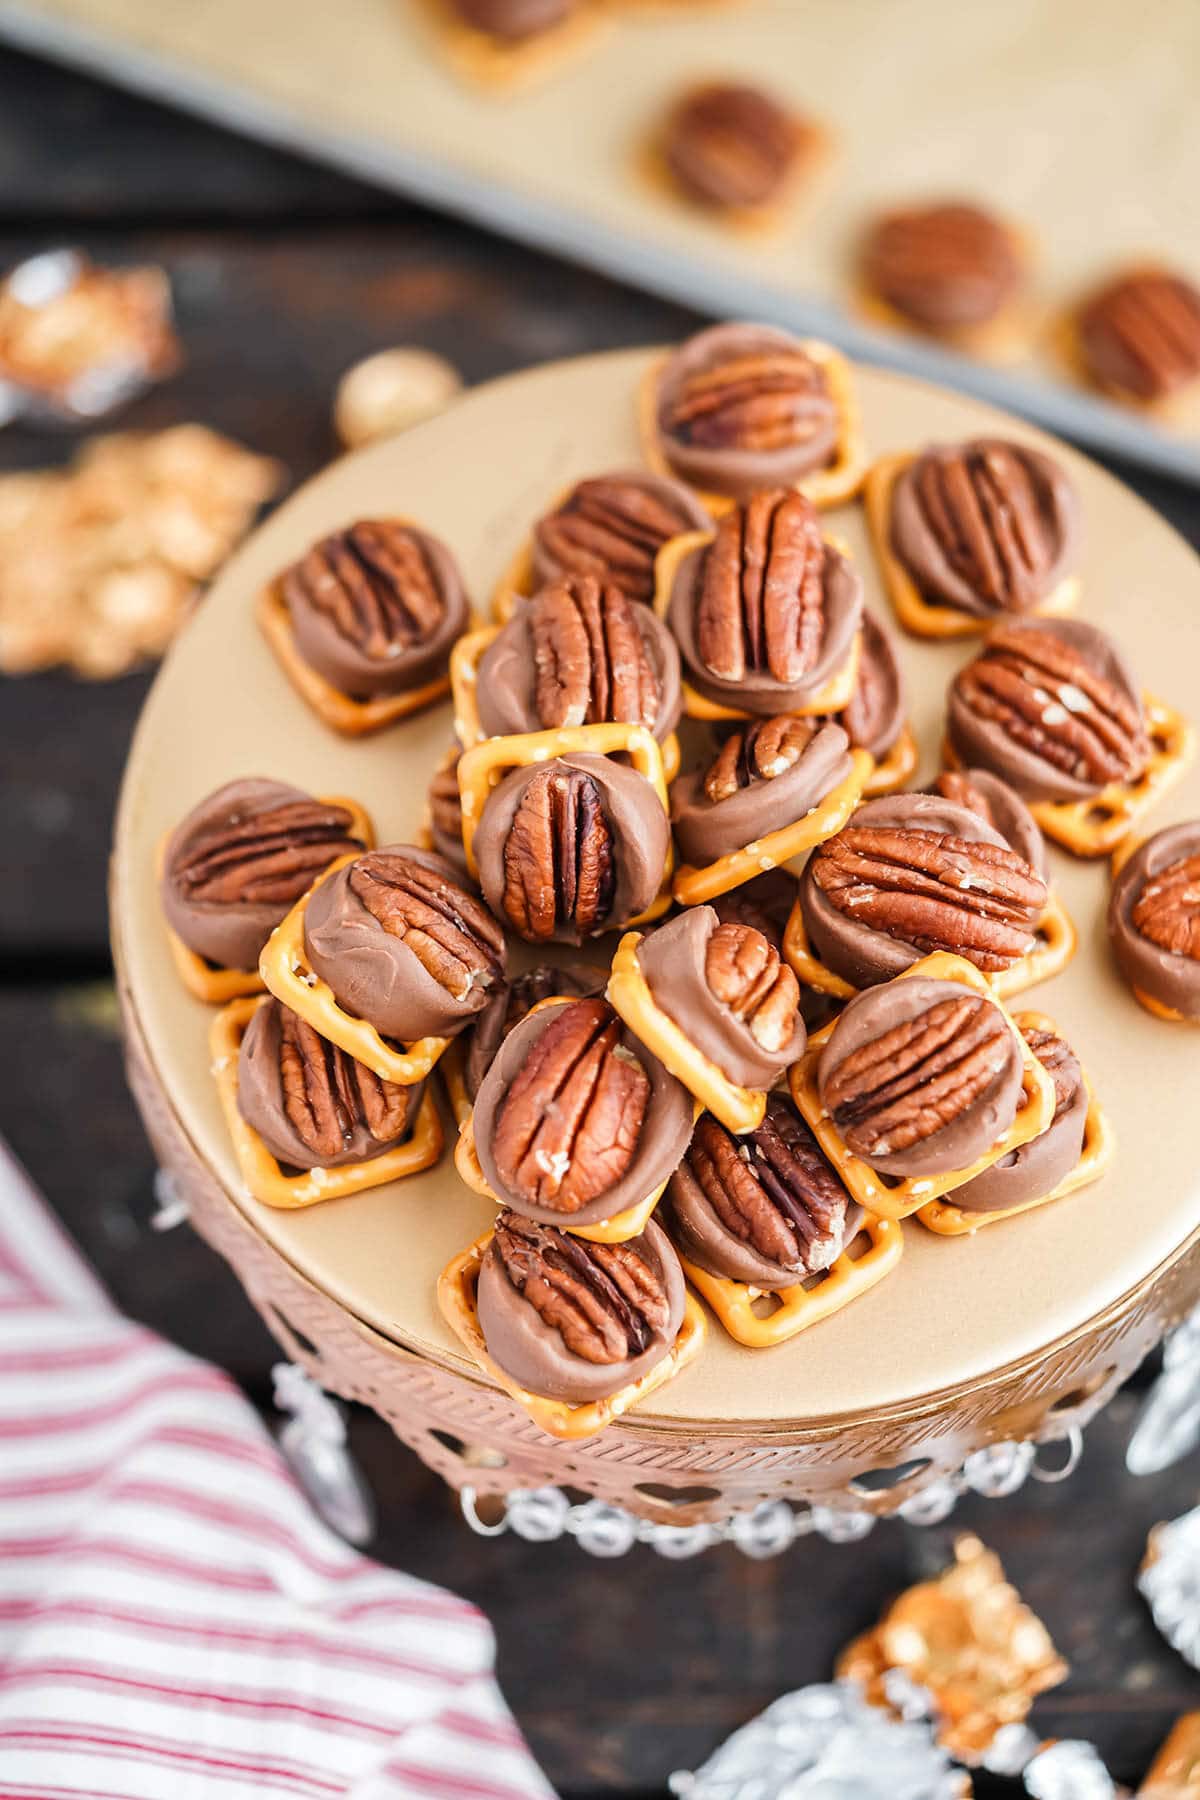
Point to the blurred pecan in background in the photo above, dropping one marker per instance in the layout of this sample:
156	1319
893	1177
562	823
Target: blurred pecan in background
1140	334
765	399
746	974
454	937
933	890
512	20
558	857
729	144
606	1301
568	1127
590	657
762	600
943	267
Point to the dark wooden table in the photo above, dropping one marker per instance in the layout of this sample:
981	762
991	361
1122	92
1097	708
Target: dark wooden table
284	274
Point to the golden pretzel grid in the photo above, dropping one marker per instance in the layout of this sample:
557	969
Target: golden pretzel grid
285	974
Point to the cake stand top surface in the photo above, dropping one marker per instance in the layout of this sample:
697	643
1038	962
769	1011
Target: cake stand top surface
955	1310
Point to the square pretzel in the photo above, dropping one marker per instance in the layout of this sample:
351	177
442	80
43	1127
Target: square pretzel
929	618
739	1109
286	974
483	766
796	1308
261	1171
1099	1146
900	1199
837	692
558	1418
1057	941
341	712
692	886
217	986
484	61
831	486
618	1230
465	659
454	1082
1098	825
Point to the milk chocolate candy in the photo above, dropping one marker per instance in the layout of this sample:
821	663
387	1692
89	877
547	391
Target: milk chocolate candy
1154	920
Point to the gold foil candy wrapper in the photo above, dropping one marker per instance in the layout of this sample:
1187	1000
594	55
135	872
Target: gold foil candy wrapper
77	340
391	390
1169	1582
1175	1771
970	1641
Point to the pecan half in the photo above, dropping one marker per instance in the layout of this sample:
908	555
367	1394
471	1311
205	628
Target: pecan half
375	584
765	903
1046	697
326	1093
559	864
454	937
590	658
728	144
568	1128
764	750
960	790
983	505
747	975
772	1189
762	594
1059	1061
918	1077
1141	333
264	857
613	530
934	891
763	400
606	1301
1167	911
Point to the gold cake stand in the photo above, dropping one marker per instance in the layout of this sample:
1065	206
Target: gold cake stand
1019	1333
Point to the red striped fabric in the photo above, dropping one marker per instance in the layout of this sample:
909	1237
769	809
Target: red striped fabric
175	1622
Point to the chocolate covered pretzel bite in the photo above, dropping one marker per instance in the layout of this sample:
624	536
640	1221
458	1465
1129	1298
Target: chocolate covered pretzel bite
576	1123
1052	707
776	787
233	868
952	270
389	957
575	1332
308	1122
739	408
571	847
767	614
767	1232
611	527
716	1004
363	624
920	1084
579	652
731	148
971	532
1154	922
1137	338
910	874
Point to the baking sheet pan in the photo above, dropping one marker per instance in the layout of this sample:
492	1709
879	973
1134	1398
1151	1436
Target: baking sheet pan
1078	118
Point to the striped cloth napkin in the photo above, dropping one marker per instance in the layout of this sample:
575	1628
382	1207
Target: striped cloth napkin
175	1622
